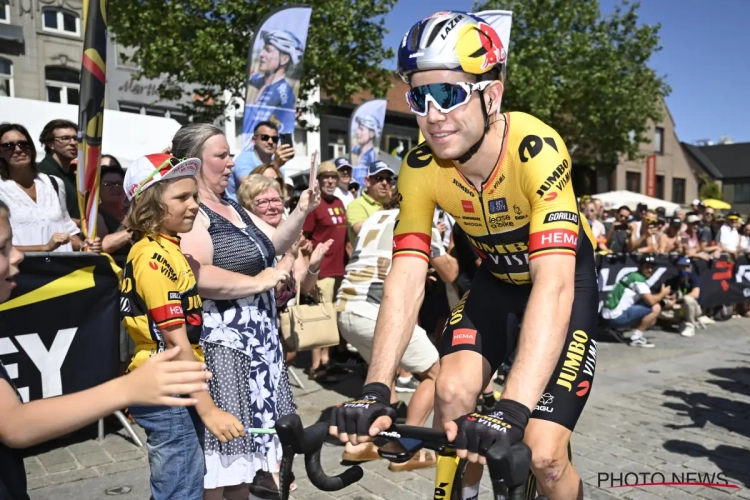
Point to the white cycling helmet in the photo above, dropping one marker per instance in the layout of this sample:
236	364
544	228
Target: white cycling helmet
286	42
369	122
456	41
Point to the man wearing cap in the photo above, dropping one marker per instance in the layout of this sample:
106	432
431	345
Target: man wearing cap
377	191
729	235
670	240
631	304
344	169
328	221
685	287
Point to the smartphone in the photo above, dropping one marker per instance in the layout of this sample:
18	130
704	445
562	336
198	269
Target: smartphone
400	450
285	139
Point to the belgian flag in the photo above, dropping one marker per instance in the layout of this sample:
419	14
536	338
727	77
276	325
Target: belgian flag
91	111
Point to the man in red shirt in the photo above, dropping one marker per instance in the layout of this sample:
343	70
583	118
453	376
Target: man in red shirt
328	221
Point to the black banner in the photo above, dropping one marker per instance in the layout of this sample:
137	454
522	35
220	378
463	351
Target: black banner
721	282
60	328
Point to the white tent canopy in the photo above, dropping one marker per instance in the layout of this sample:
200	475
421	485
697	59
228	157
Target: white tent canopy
614	199
126	136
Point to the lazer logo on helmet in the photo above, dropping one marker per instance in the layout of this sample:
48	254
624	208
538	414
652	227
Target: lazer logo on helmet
450	25
559	178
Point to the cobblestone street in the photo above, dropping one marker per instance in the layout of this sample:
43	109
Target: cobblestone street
681	407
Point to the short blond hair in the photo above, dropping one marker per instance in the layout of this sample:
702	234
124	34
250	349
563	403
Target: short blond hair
254	185
261	169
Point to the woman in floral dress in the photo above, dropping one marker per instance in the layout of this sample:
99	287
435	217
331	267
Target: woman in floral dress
233	258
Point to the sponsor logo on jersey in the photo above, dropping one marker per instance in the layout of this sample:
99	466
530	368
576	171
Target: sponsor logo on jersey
545	403
468	206
464	336
551	196
571	217
498	205
498	221
166	269
532	145
496	183
519	213
420	157
559	178
173	296
463	188
553	238
573	358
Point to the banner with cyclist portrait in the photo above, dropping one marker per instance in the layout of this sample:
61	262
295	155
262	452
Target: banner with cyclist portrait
274	70
365	130
501	21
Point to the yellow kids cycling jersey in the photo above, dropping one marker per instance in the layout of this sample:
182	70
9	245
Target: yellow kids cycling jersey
158	290
524	210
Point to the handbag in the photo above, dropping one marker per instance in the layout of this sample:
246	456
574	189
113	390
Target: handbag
309	326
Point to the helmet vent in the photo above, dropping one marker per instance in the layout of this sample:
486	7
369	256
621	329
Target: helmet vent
413	42
435	31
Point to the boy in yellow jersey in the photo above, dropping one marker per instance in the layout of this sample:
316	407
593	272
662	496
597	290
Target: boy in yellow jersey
161	308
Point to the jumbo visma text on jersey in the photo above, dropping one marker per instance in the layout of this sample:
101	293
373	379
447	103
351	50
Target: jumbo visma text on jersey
524	210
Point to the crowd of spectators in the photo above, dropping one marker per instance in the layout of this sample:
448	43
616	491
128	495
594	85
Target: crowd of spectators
257	239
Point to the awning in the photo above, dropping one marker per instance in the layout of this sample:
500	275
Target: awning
11	33
126	136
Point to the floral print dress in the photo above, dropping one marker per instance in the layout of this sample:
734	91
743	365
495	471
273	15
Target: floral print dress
241	344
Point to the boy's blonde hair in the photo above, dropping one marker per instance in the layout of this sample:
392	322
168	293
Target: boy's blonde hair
147	211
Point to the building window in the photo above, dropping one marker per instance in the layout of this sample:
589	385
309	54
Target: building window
678	190
660	187
6	78
63	85
336	143
742	192
61	21
659	140
633	182
139	109
4	11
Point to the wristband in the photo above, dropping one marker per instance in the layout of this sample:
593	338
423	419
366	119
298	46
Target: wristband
313	273
381	391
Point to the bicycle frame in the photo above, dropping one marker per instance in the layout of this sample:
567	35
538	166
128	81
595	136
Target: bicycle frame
509	467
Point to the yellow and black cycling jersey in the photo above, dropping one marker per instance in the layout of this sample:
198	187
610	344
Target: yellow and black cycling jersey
525	209
158	290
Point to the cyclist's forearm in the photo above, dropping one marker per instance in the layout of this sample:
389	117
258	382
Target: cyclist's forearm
545	325
396	319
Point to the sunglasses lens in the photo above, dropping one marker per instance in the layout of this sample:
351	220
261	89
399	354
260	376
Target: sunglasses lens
446	95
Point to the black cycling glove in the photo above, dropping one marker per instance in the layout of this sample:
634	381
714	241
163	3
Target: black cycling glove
477	433
356	417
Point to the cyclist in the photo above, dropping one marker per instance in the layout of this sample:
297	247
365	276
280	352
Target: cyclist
505	178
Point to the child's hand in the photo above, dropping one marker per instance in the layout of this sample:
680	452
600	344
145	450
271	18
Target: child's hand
223	425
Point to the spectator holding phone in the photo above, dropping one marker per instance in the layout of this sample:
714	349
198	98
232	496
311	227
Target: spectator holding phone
266	149
619	234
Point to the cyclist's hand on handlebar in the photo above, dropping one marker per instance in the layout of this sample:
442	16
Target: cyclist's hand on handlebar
474	434
362	419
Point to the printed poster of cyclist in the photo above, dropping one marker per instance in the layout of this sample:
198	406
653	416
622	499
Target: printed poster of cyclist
275	68
365	130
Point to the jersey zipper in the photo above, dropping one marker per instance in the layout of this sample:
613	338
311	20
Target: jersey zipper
489	233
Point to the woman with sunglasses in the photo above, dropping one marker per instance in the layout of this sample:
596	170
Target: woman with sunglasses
505	178
40	218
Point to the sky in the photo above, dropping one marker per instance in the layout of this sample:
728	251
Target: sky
705	58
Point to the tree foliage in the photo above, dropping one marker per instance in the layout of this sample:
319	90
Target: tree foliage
206	42
709	189
584	74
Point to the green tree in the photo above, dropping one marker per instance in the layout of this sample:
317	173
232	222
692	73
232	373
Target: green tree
709	189
584	74
206	42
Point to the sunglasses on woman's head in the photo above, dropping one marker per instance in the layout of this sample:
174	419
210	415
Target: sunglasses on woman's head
444	96
10	147
265	138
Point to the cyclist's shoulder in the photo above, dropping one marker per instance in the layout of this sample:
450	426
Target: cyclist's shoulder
419	158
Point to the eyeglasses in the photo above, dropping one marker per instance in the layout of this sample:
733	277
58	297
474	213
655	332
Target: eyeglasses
345	172
265	138
10	147
268	201
709	214
112	184
445	96
66	138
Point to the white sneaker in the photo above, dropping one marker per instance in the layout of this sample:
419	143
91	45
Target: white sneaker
706	320
688	330
641	342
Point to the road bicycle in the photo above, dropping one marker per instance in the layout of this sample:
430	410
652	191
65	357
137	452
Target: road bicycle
508	467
